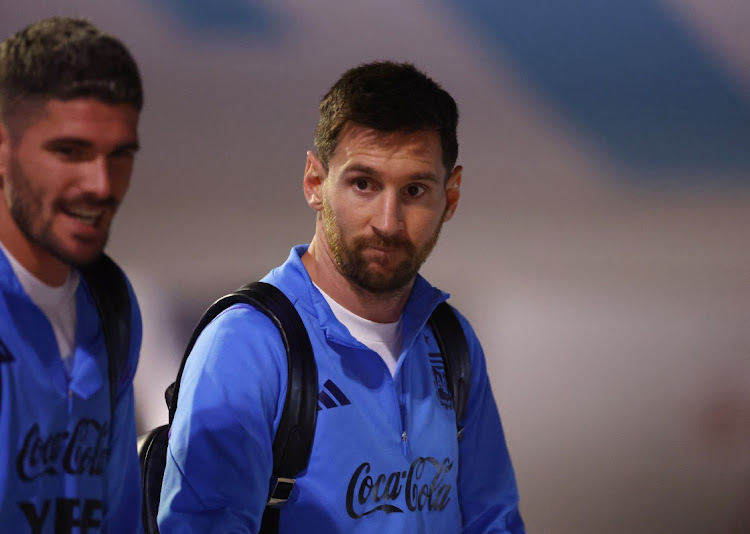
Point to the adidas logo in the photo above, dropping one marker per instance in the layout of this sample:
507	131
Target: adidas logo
329	395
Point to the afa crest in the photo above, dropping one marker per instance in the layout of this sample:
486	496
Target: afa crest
441	383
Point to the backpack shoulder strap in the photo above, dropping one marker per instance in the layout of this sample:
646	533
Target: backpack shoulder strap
109	290
292	444
454	349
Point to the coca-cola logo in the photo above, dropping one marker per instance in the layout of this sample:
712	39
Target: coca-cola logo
83	451
423	486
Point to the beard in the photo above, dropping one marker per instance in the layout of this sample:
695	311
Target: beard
27	211
374	275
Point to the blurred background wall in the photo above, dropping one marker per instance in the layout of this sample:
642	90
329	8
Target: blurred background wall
602	243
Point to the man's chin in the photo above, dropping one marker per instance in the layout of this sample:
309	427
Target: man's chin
80	256
83	261
379	281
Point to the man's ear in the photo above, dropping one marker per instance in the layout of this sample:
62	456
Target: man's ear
452	193
312	183
4	153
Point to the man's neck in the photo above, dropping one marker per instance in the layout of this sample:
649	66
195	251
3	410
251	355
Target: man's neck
378	307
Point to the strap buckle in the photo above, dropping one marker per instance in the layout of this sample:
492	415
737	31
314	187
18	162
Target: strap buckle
281	491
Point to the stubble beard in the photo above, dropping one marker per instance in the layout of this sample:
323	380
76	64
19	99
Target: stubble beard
26	210
351	262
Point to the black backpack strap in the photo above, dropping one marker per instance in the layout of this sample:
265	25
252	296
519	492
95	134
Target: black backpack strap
109	290
454	349
292	444
152	455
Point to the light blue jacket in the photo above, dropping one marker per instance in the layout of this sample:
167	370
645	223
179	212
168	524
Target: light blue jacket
61	469
385	457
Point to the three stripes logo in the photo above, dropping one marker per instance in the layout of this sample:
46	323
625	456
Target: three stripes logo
331	396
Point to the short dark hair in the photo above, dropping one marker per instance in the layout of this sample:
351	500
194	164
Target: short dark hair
388	97
65	58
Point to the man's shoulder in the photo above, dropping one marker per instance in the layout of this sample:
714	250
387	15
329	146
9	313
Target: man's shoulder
238	347
241	324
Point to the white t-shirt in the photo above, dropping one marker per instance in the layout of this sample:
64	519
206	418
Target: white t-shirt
383	338
57	303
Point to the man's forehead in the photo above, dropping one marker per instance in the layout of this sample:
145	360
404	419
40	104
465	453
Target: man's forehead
358	139
19	114
87	120
355	131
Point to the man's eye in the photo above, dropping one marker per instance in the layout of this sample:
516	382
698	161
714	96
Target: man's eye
361	184
124	154
66	151
414	190
69	152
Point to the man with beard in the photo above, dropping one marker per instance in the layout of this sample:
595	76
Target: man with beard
70	98
386	456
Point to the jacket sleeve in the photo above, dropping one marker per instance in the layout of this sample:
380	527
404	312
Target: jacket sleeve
486	482
219	459
123	474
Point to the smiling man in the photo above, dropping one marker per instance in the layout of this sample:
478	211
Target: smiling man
386	456
70	99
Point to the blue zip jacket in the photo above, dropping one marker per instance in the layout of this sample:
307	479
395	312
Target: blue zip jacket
385	457
65	467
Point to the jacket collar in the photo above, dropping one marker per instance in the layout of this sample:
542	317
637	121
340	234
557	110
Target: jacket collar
292	278
88	374
8	280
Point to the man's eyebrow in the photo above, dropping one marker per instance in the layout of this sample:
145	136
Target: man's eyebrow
75	141
360	167
366	169
426	176
133	146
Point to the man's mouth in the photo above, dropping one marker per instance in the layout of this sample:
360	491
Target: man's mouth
85	215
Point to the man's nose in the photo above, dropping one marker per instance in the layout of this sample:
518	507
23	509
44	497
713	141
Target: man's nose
97	178
389	218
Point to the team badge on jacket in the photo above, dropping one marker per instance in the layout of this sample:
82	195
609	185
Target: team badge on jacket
441	383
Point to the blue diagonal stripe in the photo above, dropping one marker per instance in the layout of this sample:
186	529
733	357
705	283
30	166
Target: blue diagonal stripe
629	75
224	18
